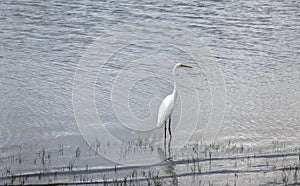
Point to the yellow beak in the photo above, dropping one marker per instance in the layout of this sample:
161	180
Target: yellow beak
187	66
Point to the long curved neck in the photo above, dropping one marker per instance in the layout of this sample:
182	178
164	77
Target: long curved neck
174	79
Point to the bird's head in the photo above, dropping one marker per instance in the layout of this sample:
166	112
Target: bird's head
186	66
183	65
180	65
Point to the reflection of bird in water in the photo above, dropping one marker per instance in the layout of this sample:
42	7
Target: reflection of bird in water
167	105
167	157
166	153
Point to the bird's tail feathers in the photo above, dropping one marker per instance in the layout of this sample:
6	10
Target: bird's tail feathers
159	125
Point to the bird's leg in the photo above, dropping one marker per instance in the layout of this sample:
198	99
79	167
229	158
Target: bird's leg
170	127
165	129
169	149
165	148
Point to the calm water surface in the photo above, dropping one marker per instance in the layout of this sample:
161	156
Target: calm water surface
256	45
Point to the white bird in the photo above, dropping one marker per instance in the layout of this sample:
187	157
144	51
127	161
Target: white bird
167	105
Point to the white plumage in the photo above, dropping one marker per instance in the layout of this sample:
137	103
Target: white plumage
165	110
167	105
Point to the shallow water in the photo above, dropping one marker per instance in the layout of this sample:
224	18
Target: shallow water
254	44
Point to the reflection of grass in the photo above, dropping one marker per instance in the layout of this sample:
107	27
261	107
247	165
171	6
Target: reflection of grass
197	161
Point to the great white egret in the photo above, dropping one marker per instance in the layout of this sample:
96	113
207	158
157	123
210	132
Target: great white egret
167	105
